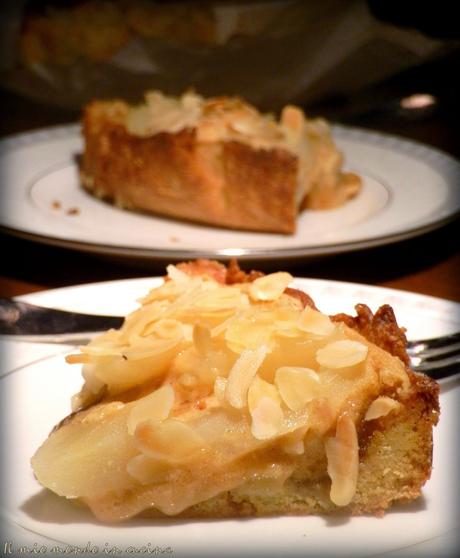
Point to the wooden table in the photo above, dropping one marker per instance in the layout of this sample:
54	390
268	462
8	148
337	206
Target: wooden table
428	264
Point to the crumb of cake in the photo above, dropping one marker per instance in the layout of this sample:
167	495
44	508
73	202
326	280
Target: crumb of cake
73	211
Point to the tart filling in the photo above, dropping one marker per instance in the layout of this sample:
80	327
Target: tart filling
213	387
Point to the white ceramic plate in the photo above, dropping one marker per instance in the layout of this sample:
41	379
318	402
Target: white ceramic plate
408	189
36	386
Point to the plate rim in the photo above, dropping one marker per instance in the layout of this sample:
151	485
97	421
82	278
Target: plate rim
297	279
436	157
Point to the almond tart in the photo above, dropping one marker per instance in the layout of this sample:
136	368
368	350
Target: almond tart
228	394
217	161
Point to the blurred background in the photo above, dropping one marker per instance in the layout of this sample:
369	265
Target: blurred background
380	64
350	60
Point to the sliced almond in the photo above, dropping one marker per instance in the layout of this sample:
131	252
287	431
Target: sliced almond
267	419
245	333
169	290
381	407
98	413
170	440
156	348
155	406
241	375
269	287
164	329
202	339
293	118
297	386
177	275
341	354
220	299
312	321
343	461
148	471
137	323
294	441
260	388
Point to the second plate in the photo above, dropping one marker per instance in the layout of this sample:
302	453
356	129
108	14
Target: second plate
44	201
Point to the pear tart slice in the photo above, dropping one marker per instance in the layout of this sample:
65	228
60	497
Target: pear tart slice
217	161
288	411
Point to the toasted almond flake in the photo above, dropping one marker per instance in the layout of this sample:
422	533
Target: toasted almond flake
166	328
177	275
267	419
147	471
219	299
169	290
297	386
169	440
381	407
78	358
241	375
98	413
287	331
247	334
312	321
202	339
185	300
269	287
294	441
324	414
156	348
343	461
156	406
221	328
260	388
341	354
102	350
136	323
92	383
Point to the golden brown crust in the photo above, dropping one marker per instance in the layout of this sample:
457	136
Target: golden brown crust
230	274
303	297
224	183
380	328
202	266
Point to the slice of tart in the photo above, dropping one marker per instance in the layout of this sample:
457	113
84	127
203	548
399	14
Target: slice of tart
229	394
217	161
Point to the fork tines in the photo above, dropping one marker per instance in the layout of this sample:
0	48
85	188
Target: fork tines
439	357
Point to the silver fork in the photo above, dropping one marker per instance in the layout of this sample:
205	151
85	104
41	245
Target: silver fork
438	357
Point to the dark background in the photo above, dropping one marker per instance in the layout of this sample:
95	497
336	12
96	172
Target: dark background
428	264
